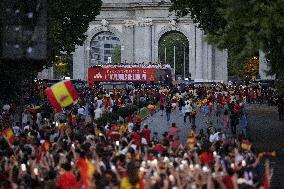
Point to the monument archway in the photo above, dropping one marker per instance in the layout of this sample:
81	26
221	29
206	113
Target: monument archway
104	47
139	25
173	50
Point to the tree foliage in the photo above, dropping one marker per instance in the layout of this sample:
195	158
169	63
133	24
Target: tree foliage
241	26
107	118
167	43
68	22
116	56
127	111
62	66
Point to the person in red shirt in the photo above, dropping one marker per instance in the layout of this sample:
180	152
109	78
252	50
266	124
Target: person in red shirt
146	132
136	137
228	179
206	157
67	179
237	108
174	130
159	148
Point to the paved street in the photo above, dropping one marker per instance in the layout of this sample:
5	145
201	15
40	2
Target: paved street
159	124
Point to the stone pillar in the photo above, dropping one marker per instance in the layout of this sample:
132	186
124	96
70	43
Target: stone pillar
221	69
205	59
191	51
199	57
143	41
209	62
127	48
79	63
148	43
263	66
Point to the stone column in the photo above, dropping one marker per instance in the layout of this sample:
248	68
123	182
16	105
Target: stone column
143	40
86	59
78	63
148	43
209	62
191	51
199	64
205	59
127	50
221	69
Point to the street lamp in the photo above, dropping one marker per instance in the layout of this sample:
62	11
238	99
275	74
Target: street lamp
165	52
183	62
175	60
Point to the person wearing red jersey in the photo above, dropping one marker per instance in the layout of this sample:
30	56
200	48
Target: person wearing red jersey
67	179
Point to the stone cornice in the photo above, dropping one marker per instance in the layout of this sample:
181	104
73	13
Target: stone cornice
119	6
129	22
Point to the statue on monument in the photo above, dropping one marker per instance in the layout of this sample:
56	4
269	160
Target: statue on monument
105	24
173	23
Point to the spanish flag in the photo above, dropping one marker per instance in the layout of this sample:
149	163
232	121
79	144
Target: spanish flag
61	94
246	145
86	169
9	136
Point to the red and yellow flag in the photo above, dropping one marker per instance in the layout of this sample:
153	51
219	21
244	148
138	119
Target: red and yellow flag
9	136
86	169
246	145
61	94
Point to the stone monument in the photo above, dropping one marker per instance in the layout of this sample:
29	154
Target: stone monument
139	25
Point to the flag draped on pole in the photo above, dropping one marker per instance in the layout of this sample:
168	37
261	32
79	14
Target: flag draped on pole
9	136
61	94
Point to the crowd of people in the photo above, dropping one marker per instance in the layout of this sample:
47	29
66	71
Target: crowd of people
137	65
70	149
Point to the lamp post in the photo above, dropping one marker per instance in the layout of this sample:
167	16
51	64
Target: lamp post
175	60
184	62
165	55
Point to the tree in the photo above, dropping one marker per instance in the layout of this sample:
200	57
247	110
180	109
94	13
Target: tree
116	56
62	66
68	22
167	42
241	26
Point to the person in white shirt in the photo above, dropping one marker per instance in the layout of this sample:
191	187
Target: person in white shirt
16	129
25	117
38	119
99	102
98	112
81	111
186	111
214	137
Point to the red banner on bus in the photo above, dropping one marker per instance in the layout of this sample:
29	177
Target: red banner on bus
120	74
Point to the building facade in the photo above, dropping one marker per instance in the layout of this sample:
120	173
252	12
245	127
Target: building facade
139	25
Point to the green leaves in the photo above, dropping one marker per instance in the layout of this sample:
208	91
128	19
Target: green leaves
68	22
167	43
241	26
116	57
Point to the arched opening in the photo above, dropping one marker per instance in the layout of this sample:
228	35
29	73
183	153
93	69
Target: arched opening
173	50
105	48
